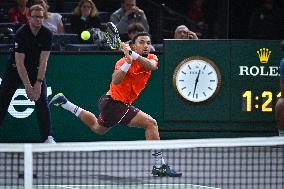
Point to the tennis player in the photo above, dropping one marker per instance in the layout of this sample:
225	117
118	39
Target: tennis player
279	108
128	80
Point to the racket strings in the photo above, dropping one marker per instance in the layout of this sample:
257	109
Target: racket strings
112	36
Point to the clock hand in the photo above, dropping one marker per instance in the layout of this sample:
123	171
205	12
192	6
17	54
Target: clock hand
196	81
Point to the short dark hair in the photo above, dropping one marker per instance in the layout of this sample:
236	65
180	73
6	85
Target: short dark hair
135	27
140	34
282	46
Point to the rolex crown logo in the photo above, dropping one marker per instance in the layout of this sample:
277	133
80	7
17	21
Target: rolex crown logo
263	55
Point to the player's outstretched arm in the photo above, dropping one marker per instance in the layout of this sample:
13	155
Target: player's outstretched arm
150	64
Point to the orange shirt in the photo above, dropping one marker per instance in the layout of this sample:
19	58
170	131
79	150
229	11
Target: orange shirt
134	81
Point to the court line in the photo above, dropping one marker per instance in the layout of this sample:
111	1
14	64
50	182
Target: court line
60	186
69	187
141	185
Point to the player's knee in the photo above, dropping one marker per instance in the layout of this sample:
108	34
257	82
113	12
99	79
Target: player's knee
96	130
100	130
155	123
152	123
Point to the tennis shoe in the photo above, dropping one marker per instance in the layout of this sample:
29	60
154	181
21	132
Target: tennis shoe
165	171
58	100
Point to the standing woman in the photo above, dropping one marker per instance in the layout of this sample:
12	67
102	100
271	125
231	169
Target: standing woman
85	17
52	20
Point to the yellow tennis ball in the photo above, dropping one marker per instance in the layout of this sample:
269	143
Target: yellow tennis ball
85	35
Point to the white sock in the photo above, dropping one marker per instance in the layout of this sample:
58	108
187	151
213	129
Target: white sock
72	108
281	132
159	160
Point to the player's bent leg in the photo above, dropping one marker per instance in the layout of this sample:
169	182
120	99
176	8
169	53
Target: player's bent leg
86	117
279	116
89	119
161	169
143	120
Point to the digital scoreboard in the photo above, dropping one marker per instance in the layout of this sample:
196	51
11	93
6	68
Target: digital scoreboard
249	83
261	102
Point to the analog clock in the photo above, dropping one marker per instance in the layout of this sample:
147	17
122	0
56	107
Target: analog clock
197	79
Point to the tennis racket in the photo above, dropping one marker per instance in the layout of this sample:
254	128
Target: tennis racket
112	36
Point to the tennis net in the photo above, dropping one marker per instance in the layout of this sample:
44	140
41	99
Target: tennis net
205	163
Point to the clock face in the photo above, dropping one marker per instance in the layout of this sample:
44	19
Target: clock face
197	79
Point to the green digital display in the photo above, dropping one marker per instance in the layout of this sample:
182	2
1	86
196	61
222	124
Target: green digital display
250	81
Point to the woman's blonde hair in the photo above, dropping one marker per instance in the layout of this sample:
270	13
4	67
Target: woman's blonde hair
78	11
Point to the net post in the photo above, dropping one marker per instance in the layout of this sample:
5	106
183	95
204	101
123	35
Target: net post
28	163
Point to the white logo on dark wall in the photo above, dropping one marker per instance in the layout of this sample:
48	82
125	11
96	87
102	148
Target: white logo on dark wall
263	55
23	102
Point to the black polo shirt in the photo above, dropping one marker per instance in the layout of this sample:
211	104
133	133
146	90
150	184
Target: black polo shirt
31	46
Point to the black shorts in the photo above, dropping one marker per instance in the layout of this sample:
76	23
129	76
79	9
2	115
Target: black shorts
115	112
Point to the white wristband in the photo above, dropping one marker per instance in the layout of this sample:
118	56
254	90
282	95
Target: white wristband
125	67
134	55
